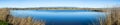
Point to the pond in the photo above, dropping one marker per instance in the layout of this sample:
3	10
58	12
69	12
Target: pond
61	17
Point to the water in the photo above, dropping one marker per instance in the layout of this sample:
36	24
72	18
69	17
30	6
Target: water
61	17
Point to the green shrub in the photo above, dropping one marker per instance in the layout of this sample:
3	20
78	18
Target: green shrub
3	23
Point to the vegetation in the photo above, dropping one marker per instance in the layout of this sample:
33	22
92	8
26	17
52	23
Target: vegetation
3	23
7	19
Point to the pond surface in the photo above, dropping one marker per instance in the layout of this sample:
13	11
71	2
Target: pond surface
61	17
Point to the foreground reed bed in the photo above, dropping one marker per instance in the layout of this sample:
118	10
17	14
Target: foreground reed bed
11	20
113	18
24	21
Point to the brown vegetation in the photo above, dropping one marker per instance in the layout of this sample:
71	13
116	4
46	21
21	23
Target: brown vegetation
113	18
5	16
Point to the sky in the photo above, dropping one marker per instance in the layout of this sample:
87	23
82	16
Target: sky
59	3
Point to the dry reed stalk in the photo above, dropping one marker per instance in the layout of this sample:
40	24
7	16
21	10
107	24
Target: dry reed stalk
5	16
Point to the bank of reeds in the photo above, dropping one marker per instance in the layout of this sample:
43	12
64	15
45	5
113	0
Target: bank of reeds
6	17
113	18
24	21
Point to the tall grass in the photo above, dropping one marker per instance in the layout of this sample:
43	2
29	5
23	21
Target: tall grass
3	23
5	18
113	18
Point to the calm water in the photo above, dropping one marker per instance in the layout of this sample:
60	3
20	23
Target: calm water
61	17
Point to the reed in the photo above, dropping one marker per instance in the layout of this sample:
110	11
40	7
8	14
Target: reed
6	17
24	21
113	18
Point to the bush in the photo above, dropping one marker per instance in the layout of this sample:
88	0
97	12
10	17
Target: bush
3	23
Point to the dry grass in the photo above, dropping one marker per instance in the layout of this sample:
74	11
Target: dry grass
5	16
24	21
113	18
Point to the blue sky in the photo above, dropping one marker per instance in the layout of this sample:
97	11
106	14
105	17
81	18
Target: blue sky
59	3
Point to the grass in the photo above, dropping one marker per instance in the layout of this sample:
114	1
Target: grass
3	23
